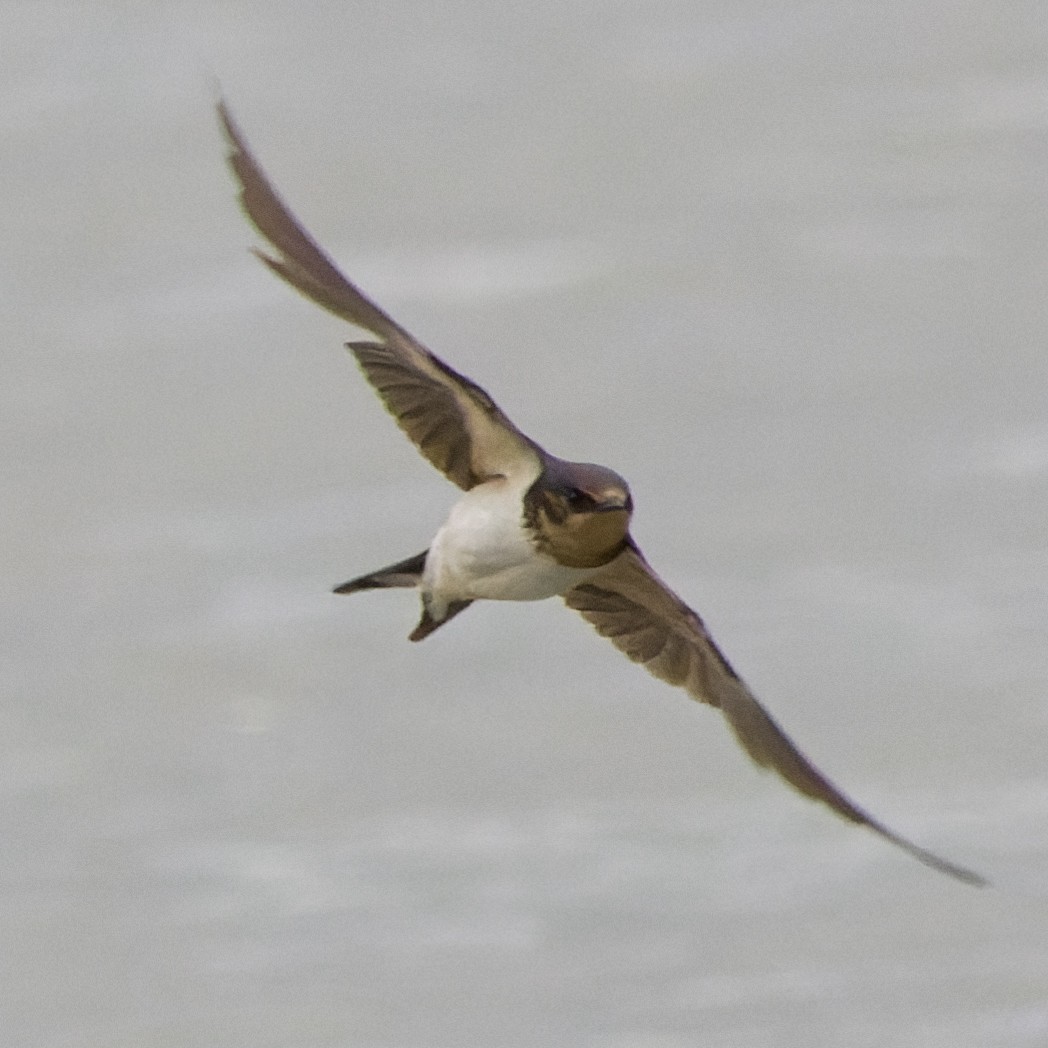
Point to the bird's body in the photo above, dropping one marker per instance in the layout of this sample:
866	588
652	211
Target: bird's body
484	551
529	525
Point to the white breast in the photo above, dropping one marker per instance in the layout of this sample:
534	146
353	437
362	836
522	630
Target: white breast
483	552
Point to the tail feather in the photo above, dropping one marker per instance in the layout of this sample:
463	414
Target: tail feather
427	624
406	574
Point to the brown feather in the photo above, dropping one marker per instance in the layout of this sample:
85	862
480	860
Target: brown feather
631	606
452	421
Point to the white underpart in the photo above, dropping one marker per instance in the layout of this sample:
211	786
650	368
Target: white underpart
482	552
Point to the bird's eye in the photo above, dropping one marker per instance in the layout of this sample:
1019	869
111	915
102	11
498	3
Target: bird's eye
577	499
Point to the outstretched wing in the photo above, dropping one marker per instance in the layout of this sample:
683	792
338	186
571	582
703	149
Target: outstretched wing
631	606
450	419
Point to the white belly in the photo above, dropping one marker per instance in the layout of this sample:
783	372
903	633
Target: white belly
483	553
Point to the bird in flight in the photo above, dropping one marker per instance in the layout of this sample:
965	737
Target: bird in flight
529	525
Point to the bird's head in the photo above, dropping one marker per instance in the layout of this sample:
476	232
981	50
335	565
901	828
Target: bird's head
580	513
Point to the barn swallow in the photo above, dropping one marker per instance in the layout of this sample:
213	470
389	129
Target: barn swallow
529	525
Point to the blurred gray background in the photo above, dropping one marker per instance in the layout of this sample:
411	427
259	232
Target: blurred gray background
783	265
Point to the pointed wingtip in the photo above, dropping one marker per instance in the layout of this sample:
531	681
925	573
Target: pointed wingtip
930	859
225	119
951	869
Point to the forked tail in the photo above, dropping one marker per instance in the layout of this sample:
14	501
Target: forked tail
406	574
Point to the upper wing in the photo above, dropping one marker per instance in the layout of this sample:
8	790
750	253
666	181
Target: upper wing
451	420
629	604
